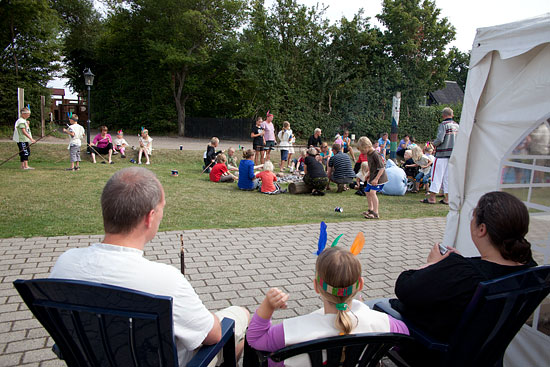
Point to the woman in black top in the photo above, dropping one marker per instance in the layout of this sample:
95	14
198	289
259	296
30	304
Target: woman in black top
435	296
315	176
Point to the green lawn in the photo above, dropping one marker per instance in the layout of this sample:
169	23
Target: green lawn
50	201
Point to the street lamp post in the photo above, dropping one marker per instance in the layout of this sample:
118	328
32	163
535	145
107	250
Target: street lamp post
89	81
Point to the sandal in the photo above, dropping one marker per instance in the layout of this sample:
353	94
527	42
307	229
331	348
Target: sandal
426	201
372	215
414	191
367	212
443	202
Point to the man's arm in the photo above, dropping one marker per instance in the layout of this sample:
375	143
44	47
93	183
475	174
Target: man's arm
440	135
215	334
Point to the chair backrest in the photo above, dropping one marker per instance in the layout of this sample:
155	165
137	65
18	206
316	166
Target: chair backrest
497	311
346	350
101	325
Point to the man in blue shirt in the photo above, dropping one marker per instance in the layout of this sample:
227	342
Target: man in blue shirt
384	144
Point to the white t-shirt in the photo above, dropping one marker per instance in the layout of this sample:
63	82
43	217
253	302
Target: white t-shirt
362	176
285	137
120	142
126	267
318	325
147	143
78	134
18	135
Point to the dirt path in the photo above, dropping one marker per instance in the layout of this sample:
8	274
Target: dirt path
162	142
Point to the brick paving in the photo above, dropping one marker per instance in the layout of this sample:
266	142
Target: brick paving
226	267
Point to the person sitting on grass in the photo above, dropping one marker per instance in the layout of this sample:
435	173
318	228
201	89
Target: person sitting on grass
210	154
315	176
269	186
102	144
337	271
219	172
120	144
145	146
339	169
424	164
361	178
247	178
232	160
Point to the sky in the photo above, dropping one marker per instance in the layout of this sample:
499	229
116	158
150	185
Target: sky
465	15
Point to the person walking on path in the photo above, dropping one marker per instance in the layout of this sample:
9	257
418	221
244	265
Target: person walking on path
444	144
23	137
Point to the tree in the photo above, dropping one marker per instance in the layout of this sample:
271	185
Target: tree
29	56
182	35
416	39
458	69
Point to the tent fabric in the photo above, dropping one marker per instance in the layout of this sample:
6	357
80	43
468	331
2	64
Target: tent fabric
506	99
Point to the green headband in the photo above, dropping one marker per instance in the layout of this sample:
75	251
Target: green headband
340	292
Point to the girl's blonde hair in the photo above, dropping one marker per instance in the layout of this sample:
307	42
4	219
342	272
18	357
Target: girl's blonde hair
286	124
303	152
408	153
145	131
416	153
221	158
268	166
364	166
338	268
364	143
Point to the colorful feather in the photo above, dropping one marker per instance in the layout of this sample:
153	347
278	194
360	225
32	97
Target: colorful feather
322	238
335	242
358	244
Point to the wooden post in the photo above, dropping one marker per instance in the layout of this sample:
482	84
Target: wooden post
42	118
20	101
395	125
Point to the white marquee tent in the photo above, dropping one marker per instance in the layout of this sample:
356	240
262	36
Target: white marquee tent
504	144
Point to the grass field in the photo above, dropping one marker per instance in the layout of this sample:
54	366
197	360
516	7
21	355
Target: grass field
50	201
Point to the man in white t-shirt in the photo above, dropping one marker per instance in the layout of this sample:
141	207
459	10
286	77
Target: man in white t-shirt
133	203
22	136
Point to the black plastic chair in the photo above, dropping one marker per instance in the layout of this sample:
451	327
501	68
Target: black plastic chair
346	350
96	324
497	311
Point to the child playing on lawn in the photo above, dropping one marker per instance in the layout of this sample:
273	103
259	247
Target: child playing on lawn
361	178
145	146
75	132
269	186
424	163
376	179
232	160
337	271
285	137
219	172
120	144
210	154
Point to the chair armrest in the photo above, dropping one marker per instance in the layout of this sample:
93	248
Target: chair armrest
207	352
418	334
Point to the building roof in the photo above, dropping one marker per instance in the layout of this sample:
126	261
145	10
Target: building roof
448	95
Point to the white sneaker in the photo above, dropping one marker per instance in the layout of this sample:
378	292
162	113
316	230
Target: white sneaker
139	162
147	163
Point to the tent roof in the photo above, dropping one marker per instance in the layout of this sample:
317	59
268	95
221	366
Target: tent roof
511	39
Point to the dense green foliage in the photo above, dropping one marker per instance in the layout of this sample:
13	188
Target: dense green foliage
157	61
29	52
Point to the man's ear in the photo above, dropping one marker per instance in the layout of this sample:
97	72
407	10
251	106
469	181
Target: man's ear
148	220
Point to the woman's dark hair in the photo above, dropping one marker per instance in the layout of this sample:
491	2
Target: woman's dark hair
507	222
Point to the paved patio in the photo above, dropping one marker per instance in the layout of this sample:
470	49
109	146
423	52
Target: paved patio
226	267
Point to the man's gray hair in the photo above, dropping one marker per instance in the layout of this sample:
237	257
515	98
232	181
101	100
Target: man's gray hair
127	197
447	112
316	131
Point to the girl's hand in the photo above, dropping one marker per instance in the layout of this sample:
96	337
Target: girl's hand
276	298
